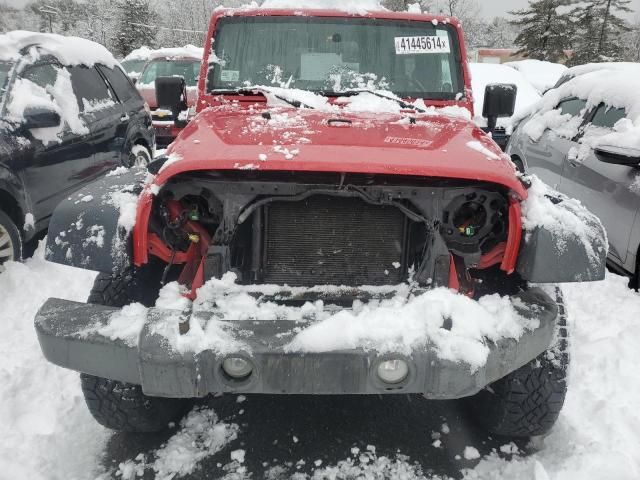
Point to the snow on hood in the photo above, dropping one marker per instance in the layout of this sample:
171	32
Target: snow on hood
141	53
358	7
594	67
68	50
610	87
483	74
542	75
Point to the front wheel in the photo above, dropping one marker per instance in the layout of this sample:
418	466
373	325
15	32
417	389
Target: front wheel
527	402
10	240
118	405
139	156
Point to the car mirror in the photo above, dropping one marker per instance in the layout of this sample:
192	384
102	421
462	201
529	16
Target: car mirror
499	101
618	155
171	94
38	117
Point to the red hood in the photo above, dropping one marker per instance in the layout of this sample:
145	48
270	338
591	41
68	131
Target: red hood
226	138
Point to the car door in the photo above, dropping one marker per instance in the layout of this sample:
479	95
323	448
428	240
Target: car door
609	191
50	171
136	121
546	156
105	117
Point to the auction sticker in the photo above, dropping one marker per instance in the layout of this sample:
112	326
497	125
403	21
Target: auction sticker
424	44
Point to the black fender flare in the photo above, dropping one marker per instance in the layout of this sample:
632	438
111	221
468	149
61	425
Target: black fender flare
92	229
12	188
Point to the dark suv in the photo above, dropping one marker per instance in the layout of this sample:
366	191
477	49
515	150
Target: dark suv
64	121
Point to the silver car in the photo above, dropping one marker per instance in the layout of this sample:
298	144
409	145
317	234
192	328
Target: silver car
589	150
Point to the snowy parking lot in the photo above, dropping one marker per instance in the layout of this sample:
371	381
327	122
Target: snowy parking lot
48	432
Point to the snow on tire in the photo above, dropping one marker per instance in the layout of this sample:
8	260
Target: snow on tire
140	156
527	402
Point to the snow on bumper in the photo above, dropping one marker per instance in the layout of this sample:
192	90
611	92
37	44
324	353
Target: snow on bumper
69	338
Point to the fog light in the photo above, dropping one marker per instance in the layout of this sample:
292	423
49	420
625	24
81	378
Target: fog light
393	371
237	367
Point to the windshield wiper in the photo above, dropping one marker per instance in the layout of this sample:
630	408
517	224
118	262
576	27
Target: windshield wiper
253	90
356	91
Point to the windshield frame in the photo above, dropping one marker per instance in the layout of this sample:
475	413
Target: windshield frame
214	98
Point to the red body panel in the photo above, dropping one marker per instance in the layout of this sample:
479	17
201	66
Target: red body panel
229	133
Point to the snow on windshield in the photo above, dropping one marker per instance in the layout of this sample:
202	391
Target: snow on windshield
412	59
612	88
358	7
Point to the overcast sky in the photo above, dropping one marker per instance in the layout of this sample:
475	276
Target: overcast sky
490	8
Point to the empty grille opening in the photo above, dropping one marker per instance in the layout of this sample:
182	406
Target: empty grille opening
334	241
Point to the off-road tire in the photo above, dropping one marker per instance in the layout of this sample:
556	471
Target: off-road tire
123	407
527	402
10	238
118	405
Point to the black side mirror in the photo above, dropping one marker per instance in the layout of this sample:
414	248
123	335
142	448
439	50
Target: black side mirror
499	101
618	155
171	93
38	117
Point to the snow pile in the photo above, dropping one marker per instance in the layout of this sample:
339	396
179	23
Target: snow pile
125	324
598	432
594	67
126	201
142	53
171	53
401	325
200	435
542	75
58	97
614	88
483	74
566	217
357	7
368	465
397	325
68	50
47	431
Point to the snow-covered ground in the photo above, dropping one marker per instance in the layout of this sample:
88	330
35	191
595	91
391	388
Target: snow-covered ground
48	433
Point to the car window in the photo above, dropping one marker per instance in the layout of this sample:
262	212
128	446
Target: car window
42	75
572	106
607	117
119	82
90	89
187	69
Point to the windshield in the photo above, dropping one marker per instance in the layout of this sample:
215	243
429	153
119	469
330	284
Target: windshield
5	69
329	55
188	69
134	66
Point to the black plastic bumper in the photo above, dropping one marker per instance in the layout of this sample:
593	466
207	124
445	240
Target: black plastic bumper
62	328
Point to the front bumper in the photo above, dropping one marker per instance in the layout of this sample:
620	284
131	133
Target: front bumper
62	328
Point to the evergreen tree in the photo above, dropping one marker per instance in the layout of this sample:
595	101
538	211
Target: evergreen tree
544	34
599	31
135	26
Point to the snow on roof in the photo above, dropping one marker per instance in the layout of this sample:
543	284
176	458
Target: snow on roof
542	75
351	6
68	50
594	67
141	53
483	74
145	53
596	87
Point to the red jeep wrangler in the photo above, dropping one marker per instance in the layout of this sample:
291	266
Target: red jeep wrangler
331	222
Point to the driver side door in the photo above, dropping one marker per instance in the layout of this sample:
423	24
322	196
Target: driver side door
610	191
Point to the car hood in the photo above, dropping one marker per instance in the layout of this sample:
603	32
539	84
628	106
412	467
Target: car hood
429	145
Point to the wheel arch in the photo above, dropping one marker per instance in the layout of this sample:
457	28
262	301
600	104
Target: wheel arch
11	206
